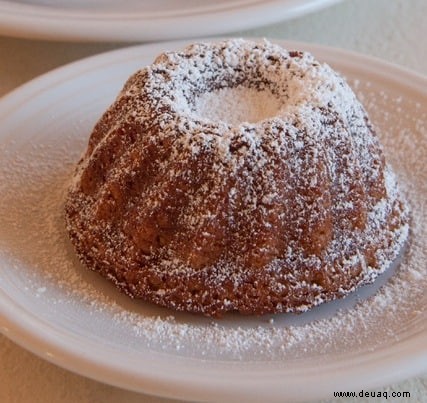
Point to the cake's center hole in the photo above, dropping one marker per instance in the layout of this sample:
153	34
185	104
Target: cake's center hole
237	105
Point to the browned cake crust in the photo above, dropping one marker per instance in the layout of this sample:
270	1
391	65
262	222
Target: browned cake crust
204	216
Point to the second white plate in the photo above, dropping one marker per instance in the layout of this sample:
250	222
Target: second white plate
149	20
57	309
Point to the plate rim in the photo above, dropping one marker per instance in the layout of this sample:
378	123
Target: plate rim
55	350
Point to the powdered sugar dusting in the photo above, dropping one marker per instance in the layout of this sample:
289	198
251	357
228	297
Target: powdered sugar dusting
39	260
236	106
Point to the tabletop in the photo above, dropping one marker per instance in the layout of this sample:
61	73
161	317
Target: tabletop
392	30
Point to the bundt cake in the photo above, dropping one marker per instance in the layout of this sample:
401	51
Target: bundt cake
236	176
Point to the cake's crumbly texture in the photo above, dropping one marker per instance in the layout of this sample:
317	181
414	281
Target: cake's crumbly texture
180	207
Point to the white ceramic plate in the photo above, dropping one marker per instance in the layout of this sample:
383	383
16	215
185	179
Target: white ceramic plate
54	307
132	20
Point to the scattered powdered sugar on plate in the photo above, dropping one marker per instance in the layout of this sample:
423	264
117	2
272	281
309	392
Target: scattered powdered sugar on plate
39	262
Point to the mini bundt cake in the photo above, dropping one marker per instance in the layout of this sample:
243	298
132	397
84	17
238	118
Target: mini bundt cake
236	176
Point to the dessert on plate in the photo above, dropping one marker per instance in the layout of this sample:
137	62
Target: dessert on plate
236	176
